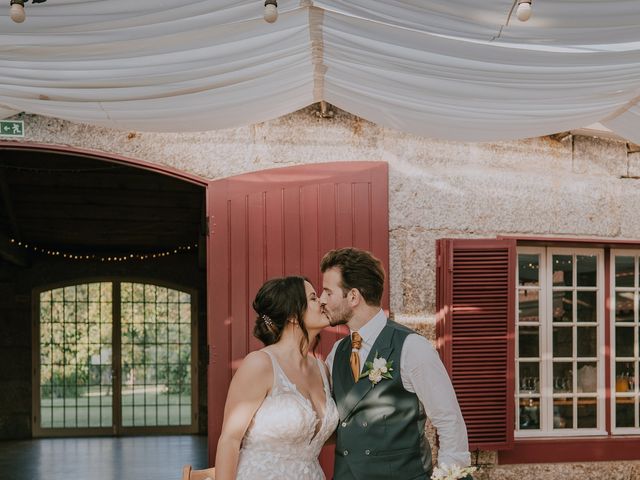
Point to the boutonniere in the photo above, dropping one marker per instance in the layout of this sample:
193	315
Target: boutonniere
378	369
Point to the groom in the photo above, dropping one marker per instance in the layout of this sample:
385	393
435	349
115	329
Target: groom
387	380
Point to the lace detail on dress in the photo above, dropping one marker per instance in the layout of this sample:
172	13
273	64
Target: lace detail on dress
281	441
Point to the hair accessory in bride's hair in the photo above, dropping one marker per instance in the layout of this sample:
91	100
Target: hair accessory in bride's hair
267	321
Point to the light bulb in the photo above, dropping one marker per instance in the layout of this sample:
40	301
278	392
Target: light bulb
17	12
523	12
270	11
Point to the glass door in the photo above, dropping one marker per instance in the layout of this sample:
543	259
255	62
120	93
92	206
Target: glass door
76	348
156	356
114	357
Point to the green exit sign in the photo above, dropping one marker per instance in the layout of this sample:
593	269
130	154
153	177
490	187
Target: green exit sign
11	128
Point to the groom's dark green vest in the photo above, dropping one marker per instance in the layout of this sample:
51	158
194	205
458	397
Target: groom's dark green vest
381	430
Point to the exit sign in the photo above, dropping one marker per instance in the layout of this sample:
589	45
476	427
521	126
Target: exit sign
11	128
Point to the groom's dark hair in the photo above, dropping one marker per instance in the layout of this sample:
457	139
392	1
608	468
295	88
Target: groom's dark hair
360	270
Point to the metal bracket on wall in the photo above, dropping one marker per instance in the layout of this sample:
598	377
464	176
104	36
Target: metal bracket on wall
210	226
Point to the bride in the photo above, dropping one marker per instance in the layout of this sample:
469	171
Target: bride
279	411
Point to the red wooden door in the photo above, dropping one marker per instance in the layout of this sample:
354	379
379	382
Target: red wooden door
281	222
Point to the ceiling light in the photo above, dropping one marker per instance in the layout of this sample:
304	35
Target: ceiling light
16	10
523	12
270	10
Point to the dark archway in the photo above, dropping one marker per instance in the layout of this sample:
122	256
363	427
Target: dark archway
69	215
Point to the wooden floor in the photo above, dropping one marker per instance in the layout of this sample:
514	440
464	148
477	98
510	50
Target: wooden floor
125	458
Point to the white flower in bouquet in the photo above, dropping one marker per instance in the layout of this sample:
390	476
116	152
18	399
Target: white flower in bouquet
451	473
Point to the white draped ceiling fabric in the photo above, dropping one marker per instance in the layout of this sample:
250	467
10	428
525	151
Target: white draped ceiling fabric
450	69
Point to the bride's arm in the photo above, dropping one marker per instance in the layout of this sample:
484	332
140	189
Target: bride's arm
332	439
247	390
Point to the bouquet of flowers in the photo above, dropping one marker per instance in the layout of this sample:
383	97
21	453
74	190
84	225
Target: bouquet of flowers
452	473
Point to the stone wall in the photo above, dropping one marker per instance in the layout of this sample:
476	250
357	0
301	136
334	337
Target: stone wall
577	186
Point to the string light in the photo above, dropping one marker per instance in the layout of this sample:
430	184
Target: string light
105	258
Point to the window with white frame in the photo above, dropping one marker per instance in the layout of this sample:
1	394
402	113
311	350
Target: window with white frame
560	342
624	345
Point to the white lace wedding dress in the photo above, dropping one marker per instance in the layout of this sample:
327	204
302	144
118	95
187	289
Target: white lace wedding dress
285	436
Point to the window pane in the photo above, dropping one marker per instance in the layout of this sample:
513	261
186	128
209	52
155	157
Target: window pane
529	414
562	306
106	416
528	306
562	342
587	377
587	413
624	306
563	413
83	416
529	377
587	342
625	376
587	270
587	310
562	377
625	412
624	341
562	270
528	269
57	417
624	271
529	342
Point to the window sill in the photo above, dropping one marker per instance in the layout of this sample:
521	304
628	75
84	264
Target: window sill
564	434
553	450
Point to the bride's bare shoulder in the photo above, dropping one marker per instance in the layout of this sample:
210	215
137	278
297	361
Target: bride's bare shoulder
257	361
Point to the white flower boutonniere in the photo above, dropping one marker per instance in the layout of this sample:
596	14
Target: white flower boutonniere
378	369
451	473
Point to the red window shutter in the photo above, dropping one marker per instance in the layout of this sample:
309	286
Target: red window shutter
475	304
281	222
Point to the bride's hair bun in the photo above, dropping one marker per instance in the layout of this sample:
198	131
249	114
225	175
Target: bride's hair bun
278	300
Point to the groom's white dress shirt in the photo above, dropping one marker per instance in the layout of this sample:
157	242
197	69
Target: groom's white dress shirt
424	374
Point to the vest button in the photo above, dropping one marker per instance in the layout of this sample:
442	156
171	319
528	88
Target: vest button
344	424
364	424
345	453
367	452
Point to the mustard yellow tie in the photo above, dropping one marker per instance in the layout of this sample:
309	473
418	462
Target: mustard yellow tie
356	343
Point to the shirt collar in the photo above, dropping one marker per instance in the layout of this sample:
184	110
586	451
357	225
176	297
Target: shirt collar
370	330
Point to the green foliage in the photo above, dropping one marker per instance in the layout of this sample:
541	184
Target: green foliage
76	331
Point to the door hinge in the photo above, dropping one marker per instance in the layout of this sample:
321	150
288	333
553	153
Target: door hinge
210	226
